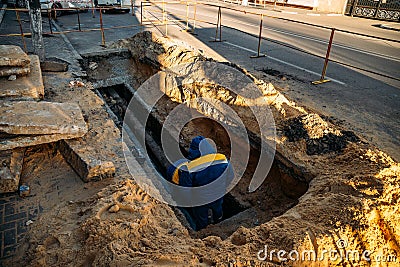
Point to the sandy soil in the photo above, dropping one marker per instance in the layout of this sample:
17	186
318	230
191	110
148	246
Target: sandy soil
351	203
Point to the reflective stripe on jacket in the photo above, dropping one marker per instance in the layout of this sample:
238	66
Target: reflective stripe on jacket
199	164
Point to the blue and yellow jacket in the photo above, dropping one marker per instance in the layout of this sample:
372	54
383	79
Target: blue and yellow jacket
203	167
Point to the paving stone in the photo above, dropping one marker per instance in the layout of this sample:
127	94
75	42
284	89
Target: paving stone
12	55
10	237
15	217
10	172
9	251
9	210
24	87
7	226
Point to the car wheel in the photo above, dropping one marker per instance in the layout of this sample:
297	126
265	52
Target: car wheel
56	13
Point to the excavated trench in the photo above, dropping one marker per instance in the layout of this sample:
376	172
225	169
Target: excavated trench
279	192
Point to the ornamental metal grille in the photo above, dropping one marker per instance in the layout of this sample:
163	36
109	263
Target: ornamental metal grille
378	9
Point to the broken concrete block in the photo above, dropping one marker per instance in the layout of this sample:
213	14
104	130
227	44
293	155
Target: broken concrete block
13	56
11	162
53	66
25	87
41	118
84	162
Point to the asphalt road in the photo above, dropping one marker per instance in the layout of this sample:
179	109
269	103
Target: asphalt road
368	103
359	51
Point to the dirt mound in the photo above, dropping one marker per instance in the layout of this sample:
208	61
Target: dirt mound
320	138
158	52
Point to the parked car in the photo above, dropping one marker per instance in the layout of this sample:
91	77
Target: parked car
111	6
16	3
56	6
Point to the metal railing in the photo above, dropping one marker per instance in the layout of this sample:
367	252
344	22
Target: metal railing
379	9
148	17
260	37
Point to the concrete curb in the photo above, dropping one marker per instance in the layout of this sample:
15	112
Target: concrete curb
2	12
107	53
66	40
76	68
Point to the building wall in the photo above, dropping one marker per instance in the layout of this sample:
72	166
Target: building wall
309	3
332	6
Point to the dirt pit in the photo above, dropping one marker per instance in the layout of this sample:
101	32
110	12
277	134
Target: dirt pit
279	193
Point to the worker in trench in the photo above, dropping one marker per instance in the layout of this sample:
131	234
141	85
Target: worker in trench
202	166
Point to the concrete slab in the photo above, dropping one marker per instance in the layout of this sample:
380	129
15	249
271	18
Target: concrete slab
25	87
16	141
41	118
19	71
10	169
53	66
12	56
98	154
89	166
28	123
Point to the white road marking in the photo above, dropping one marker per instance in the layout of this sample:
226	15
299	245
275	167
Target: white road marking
290	12
313	14
284	62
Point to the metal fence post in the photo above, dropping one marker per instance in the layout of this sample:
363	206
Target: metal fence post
187	16
133	12
194	18
21	30
219	27
165	18
141	13
93	9
49	17
79	20
259	40
103	38
218	18
328	51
